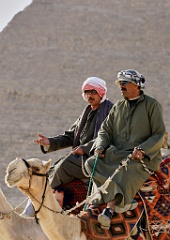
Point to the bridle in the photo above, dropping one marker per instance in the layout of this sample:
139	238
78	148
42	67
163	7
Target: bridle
45	187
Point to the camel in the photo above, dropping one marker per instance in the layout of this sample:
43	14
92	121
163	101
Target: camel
30	178
15	227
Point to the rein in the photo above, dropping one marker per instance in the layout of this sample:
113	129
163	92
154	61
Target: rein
2	214
91	179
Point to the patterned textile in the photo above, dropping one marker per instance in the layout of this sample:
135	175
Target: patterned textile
121	224
74	192
156	197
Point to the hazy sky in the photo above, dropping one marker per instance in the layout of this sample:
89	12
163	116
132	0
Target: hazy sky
8	9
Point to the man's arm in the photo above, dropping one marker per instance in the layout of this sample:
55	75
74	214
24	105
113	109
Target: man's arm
58	142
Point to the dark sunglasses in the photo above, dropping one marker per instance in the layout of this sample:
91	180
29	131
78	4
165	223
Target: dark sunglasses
92	92
123	83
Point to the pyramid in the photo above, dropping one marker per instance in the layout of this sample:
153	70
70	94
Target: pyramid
51	47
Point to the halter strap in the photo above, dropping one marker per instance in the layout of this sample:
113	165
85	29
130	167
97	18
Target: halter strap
43	197
41	175
34	173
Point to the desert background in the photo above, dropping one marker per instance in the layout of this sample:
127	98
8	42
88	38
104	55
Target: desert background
48	50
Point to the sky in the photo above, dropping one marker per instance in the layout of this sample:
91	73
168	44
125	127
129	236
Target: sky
8	9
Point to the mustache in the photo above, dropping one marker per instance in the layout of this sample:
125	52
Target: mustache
123	88
90	98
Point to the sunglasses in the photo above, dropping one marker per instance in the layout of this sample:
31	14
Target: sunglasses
123	83
92	92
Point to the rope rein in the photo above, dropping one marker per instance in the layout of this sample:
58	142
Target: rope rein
145	168
2	214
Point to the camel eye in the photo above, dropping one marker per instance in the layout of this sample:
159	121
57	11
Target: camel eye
13	170
36	169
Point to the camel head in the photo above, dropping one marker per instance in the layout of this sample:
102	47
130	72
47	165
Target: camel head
20	173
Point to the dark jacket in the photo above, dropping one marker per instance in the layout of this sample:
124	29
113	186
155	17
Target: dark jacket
70	138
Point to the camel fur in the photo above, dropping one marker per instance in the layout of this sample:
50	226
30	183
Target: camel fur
54	224
15	227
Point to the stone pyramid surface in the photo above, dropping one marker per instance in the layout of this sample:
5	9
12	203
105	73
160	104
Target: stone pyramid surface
51	47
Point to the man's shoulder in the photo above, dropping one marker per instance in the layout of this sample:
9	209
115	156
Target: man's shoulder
151	102
150	99
120	102
107	102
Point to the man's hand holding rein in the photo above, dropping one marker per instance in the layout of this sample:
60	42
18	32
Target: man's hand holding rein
138	153
99	152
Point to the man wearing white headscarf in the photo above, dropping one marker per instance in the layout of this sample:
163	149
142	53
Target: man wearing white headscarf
80	135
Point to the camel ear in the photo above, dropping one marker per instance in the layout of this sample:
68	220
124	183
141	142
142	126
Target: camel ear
47	164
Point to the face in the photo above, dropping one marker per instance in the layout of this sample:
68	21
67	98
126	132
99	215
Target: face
129	90
93	98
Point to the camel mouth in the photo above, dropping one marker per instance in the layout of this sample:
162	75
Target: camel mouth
12	182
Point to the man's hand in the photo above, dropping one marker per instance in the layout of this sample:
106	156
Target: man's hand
137	154
99	151
44	141
77	151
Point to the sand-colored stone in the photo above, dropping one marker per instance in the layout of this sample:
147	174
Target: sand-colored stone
50	48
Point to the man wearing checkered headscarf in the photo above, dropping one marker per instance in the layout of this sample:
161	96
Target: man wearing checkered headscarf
134	127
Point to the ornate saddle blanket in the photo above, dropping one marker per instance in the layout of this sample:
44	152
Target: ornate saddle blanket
122	225
154	197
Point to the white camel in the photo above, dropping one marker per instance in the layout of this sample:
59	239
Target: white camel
15	227
30	178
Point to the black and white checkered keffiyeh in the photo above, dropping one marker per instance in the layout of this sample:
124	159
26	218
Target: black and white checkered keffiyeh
132	76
